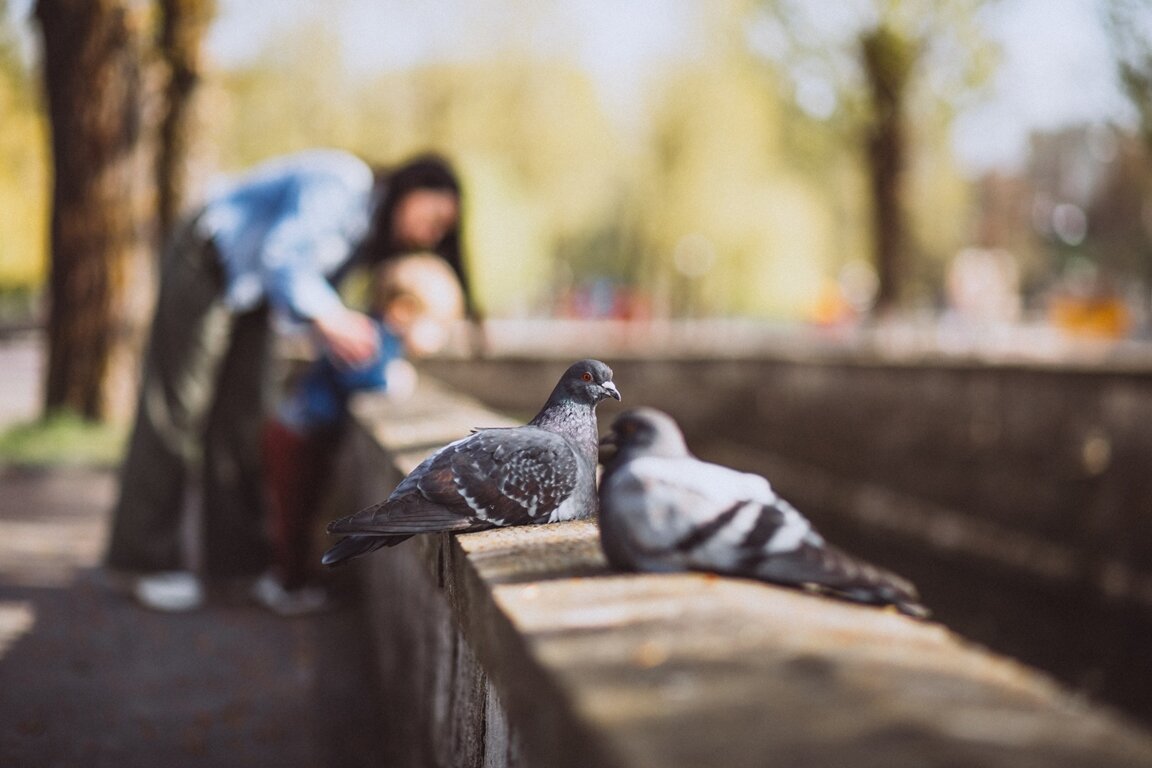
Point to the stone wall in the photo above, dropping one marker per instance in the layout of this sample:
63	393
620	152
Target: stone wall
1015	493
1054	455
519	647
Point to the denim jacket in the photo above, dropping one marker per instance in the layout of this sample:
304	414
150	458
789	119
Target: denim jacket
289	225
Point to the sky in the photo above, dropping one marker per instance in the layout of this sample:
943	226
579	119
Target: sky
1056	70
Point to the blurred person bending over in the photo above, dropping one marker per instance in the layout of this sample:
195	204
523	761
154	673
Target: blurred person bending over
275	242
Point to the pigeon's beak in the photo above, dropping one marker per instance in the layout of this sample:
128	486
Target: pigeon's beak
608	439
610	388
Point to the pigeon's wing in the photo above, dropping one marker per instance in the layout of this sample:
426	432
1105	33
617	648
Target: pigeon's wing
508	476
733	522
699	514
493	477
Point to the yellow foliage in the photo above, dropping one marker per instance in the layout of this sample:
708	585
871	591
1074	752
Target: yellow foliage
24	188
291	98
507	240
722	176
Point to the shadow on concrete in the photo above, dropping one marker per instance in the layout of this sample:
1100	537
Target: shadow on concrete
89	678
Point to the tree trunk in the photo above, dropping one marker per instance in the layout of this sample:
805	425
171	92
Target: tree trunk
103	203
888	61
183	26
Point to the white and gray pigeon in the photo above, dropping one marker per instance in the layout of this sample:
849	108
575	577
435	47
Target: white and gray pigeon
663	509
543	472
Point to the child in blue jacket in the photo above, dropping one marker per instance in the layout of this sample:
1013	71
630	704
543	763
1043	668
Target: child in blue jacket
417	298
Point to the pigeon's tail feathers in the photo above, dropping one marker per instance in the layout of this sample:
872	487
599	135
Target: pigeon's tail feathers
831	570
402	516
898	599
863	582
356	545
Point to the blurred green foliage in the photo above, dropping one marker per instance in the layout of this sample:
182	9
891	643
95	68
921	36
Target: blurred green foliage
62	439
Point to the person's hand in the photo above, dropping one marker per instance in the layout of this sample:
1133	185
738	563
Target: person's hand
349	336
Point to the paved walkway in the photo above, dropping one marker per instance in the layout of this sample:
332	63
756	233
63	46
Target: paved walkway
87	678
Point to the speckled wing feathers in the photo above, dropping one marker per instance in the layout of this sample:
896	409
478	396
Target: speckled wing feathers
517	476
493	477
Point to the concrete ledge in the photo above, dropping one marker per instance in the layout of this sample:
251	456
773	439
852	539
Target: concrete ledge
520	647
1017	497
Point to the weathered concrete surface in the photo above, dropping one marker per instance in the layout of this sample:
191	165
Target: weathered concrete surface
519	647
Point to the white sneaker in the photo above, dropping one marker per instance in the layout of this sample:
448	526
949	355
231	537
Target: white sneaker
270	593
171	591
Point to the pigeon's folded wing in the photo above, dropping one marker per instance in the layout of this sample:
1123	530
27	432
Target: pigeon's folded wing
733	522
704	514
508	476
493	477
673	504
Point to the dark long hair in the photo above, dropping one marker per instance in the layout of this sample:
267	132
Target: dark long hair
392	184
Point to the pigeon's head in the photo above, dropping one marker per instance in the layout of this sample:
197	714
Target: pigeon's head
588	382
646	431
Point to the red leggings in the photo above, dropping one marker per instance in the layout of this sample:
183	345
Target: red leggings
296	471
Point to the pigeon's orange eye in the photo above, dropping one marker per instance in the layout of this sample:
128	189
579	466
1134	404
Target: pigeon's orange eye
586	377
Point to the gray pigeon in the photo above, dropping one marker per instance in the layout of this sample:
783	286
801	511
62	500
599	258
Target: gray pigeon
663	509
540	473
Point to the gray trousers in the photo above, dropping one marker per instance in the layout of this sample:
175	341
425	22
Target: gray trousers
200	407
